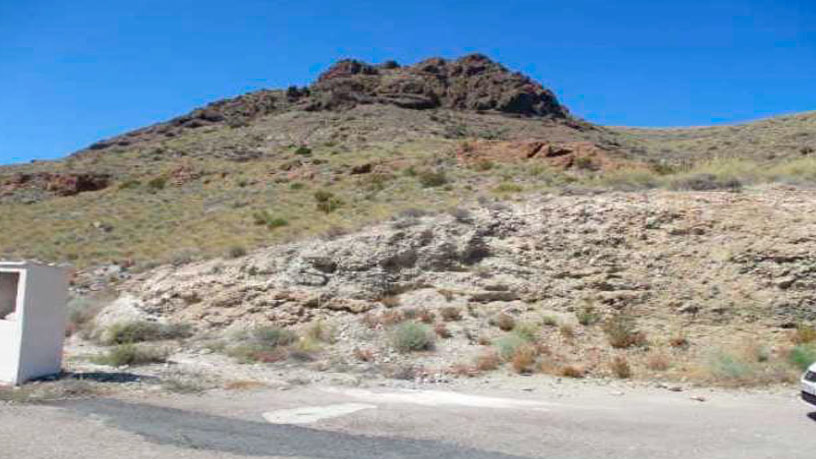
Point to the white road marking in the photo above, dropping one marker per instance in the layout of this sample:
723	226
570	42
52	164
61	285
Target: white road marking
310	414
440	398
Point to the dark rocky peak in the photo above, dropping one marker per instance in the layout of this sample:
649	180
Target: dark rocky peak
473	82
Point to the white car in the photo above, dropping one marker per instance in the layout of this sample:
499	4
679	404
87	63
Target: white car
809	385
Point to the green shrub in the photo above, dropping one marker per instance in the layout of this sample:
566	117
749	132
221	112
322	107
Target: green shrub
263	217
431	178
508	187
727	367
157	183
139	331
587	315
129	184
326	201
802	356
270	336
527	331
411	336
550	320
507	345
303	150
131	354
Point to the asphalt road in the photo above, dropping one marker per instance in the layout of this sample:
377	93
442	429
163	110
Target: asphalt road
585	422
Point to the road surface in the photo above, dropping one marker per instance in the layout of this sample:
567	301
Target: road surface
342	422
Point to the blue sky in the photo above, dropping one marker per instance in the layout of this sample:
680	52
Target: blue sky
74	72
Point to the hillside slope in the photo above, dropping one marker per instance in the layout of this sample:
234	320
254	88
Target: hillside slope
361	144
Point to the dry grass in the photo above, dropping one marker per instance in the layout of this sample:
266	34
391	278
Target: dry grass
363	355
505	321
658	361
244	384
803	334
621	331
620	367
487	361
450	313
572	371
524	359
442	331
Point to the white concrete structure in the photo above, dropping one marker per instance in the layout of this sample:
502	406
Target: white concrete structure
32	320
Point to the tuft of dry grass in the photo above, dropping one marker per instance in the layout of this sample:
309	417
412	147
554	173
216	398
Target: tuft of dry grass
620	367
571	371
524	359
487	361
567	330
621	331
363	355
803	334
450	313
442	331
658	361
244	384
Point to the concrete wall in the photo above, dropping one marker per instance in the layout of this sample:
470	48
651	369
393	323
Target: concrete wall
36	336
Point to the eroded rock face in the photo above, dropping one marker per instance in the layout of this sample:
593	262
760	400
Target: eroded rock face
564	155
472	82
718	258
56	183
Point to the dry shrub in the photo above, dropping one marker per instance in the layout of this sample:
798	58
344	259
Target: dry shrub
487	361
389	318
442	331
450	313
390	301
462	369
370	320
364	355
621	330
426	316
679	340
567	331
803	334
244	385
572	371
657	361
505	322
524	359
447	294
620	367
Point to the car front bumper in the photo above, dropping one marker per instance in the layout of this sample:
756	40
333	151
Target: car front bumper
808	397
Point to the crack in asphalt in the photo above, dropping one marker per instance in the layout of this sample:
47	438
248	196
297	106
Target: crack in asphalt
170	426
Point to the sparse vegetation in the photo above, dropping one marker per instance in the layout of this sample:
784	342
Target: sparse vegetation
622	332
803	355
140	331
620	367
132	354
487	361
411	337
507	345
524	358
528	331
450	313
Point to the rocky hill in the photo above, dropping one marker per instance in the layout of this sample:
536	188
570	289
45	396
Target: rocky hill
450	207
360	144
